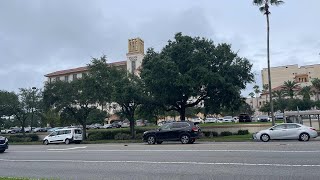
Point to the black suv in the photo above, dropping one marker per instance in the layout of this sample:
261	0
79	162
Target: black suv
244	118
3	144
186	132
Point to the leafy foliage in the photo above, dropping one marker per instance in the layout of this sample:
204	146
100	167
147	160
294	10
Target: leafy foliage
190	70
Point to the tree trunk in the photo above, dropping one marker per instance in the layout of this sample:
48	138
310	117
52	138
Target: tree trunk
133	134
269	74
84	131
182	113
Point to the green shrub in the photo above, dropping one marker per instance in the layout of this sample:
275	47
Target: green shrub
139	136
21	138
226	133
122	136
243	132
210	134
107	134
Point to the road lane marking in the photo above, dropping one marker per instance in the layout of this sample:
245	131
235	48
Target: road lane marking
76	149
66	149
166	162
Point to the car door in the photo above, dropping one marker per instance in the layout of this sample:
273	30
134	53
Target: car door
176	131
52	137
293	131
60	136
164	132
278	132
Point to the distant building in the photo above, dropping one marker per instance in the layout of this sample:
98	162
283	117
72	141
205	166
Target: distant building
302	75
132	63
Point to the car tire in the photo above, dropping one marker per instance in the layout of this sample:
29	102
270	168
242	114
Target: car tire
304	137
151	139
45	142
159	142
2	150
185	139
67	141
265	137
77	142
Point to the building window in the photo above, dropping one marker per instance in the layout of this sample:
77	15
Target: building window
74	76
57	78
83	74
133	66
66	78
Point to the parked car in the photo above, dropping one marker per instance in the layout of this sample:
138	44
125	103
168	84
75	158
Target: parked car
3	144
197	120
235	119
227	119
107	126
263	118
186	132
244	118
286	131
66	136
210	120
116	125
279	116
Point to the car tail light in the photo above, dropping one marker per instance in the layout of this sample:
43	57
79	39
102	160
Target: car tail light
194	129
313	129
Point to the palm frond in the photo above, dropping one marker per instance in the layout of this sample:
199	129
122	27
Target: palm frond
258	2
276	2
262	9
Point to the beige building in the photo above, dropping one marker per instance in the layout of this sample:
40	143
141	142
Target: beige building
302	75
132	63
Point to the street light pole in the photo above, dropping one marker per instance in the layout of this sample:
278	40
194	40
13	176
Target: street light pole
33	92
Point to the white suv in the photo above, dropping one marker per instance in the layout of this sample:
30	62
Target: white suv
66	136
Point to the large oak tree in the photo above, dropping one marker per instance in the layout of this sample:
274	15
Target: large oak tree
189	70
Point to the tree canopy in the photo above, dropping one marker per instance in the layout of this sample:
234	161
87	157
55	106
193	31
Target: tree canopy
189	70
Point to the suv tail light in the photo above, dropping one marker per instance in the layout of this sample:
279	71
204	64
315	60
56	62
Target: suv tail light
313	129
194	128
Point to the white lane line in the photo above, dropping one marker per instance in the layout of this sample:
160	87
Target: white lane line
76	149
83	147
168	162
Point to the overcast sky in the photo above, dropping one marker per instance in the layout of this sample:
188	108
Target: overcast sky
38	37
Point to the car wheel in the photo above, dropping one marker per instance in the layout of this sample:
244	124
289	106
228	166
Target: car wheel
151	140
45	142
67	141
265	137
2	150
77	142
185	139
159	142
304	137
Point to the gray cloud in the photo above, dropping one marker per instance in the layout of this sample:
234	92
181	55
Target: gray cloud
38	37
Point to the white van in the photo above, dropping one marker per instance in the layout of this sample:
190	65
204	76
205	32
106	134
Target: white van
66	136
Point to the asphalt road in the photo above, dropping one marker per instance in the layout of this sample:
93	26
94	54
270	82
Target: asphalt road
236	161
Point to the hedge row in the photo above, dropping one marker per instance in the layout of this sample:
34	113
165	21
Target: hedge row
21	138
118	134
224	133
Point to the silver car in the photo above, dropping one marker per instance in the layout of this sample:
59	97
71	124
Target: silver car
286	131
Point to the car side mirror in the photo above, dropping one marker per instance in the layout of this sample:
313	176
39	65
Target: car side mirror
271	129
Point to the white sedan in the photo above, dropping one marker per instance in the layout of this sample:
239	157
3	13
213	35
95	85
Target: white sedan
286	131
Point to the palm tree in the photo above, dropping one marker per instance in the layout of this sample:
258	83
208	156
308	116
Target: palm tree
316	84
252	96
265	88
257	91
279	94
290	87
305	92
264	8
